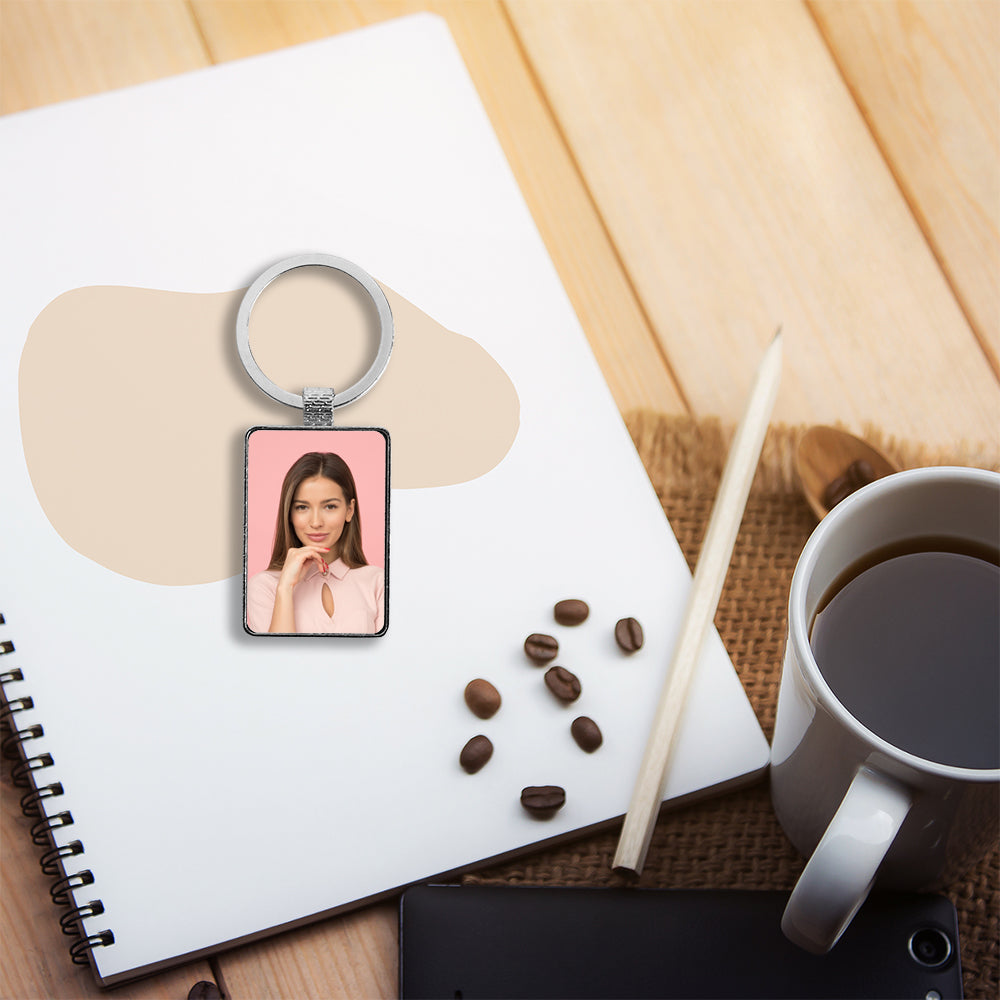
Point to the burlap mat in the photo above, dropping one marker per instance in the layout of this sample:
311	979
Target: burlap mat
734	841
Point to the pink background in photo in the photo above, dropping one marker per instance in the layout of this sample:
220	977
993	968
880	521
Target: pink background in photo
270	454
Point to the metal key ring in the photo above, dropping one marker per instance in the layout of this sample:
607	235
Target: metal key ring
364	279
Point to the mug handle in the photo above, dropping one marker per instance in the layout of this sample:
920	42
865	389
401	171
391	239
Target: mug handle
838	877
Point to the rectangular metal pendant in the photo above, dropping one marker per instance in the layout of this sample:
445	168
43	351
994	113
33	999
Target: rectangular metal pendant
316	531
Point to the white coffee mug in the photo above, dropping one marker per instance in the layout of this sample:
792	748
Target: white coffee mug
860	807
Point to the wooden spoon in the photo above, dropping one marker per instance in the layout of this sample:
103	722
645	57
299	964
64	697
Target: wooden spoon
832	464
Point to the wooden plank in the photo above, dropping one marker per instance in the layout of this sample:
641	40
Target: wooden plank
742	188
36	960
55	50
926	76
571	228
236	30
354	955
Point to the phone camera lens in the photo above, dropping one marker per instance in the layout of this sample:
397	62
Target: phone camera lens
930	947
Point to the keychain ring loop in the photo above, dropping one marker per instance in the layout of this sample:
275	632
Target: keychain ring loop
363	278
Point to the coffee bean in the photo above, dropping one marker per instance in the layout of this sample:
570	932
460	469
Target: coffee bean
482	698
571	611
475	753
628	635
837	490
562	683
543	801
541	648
587	734
204	990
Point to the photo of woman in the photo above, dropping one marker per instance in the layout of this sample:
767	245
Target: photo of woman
318	579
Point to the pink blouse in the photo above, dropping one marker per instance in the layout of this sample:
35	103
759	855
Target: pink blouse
358	600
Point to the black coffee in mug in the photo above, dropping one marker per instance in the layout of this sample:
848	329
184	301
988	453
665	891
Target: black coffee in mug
909	641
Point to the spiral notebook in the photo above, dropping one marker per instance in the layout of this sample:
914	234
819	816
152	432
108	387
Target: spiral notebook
166	756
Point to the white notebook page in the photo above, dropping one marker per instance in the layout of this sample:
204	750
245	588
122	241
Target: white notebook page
225	785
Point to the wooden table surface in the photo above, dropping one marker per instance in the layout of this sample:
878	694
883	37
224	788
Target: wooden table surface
698	170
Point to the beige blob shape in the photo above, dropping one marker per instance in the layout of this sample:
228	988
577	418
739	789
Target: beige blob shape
134	406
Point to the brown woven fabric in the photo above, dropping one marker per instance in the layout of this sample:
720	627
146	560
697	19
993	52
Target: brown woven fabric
734	840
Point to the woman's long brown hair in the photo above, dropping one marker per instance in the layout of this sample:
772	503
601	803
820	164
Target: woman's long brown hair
309	466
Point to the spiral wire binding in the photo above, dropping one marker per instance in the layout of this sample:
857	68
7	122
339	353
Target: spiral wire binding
18	737
78	950
19	773
43	828
60	888
18	705
31	802
70	920
53	861
49	861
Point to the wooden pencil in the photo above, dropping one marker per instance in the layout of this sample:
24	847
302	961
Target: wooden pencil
703	599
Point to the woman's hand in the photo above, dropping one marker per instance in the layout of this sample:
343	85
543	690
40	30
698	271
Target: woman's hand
297	561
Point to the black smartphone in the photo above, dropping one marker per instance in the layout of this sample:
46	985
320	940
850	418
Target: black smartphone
544	942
